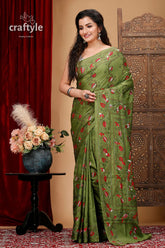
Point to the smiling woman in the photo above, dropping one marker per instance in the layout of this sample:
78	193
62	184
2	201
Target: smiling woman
104	205
88	30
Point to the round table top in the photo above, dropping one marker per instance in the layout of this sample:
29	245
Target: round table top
34	174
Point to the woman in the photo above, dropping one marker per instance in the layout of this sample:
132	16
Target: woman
104	195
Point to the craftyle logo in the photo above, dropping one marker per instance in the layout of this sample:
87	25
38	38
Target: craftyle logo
29	26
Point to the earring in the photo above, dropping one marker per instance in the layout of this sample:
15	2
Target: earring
99	36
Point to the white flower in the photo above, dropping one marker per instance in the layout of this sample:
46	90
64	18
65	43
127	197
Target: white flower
42	128
31	128
38	132
28	145
44	136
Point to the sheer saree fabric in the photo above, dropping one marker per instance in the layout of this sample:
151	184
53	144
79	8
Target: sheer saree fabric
104	203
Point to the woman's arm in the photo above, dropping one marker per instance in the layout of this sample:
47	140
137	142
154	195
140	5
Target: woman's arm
65	85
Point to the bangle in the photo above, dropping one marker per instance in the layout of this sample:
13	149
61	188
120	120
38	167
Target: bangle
68	91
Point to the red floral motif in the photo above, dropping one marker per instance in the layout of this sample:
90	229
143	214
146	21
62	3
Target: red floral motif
82	69
118	177
110	79
121	148
79	203
94	75
125	63
101	134
106	194
104	123
127	125
112	92
121	159
111	232
78	186
119	167
101	115
117	124
103	159
111	68
93	85
73	115
82	130
102	105
128	111
97	60
110	209
118	195
120	133
105	139
117	143
80	116
105	178
94	174
135	216
85	150
102	169
108	214
91	66
110	54
79	83
127	77
92	233
120	107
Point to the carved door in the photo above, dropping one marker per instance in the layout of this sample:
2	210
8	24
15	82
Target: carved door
142	41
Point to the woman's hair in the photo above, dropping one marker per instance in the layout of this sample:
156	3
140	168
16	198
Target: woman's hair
79	45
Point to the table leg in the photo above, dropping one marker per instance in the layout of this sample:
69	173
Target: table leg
45	220
35	217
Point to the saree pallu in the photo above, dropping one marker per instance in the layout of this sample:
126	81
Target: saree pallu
104	204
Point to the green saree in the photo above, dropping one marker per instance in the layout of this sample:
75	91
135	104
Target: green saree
104	204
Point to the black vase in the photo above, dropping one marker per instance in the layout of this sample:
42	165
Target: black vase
38	161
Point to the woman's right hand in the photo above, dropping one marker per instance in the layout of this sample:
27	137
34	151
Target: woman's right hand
87	96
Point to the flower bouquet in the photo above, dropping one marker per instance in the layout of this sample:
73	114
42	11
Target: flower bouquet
32	140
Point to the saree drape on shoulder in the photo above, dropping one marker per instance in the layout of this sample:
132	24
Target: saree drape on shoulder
104	203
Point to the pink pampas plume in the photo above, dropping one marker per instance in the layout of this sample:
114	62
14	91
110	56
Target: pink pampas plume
23	116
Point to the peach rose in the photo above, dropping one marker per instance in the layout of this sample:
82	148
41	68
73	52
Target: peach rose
31	128
28	135
36	141
38	132
44	136
28	145
42	128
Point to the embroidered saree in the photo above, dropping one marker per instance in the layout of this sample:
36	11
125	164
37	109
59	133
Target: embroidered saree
104	204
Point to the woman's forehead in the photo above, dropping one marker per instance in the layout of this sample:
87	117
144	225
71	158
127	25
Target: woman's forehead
85	21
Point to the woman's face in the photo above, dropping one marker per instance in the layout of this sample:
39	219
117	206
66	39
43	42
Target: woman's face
88	29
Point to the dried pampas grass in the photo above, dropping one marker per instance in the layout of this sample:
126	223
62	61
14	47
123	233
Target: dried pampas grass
23	116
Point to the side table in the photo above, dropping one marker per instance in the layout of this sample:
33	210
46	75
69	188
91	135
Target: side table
34	218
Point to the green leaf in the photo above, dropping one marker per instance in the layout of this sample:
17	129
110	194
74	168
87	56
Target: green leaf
58	149
63	133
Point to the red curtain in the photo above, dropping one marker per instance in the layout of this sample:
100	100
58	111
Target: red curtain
25	77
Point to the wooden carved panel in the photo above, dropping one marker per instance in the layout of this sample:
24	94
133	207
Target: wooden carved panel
142	41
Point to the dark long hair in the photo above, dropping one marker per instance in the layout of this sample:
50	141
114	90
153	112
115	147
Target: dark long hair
79	45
